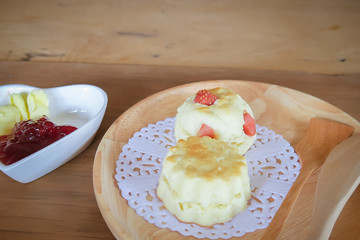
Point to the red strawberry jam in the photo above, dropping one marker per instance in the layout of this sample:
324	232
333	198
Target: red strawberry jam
30	136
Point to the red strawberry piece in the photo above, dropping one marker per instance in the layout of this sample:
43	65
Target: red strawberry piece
249	125
205	130
205	97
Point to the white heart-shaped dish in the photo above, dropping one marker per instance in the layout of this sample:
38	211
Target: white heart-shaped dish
81	105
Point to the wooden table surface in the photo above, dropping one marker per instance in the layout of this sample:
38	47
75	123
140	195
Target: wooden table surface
314	36
133	49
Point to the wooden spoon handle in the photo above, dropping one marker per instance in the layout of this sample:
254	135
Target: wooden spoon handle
321	137
338	179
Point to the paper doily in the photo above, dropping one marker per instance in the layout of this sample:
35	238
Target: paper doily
272	164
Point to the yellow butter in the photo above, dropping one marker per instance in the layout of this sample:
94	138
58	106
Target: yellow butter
9	115
19	101
38	104
23	106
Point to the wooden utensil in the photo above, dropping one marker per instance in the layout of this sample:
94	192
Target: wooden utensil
338	179
321	137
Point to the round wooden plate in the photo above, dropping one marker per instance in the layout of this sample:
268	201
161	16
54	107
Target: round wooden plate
283	110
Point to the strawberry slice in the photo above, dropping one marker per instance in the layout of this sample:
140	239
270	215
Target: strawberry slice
249	125
205	130
205	97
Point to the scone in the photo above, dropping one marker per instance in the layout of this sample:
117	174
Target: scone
204	181
218	113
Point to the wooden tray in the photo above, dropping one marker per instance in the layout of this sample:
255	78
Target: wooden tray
283	110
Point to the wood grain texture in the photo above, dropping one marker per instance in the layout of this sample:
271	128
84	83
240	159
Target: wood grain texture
321	137
283	110
310	36
62	205
331	194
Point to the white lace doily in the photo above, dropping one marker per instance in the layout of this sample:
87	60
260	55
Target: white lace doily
273	167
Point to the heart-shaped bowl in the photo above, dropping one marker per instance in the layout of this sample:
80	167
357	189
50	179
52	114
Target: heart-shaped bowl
81	105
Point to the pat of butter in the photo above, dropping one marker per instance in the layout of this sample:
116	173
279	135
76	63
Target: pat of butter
38	104
9	115
23	106
19	101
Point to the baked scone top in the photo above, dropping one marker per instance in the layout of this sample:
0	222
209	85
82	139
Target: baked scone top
206	158
225	117
226	99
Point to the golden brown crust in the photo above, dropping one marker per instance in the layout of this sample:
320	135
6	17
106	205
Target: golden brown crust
206	158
